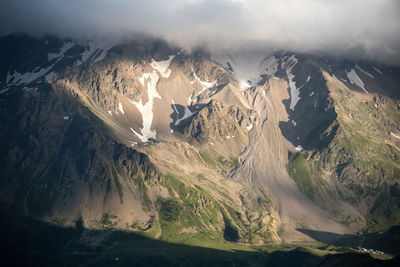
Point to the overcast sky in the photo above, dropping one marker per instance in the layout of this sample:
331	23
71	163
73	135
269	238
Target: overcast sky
363	28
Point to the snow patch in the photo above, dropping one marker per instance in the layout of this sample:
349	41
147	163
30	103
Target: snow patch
355	79
49	76
95	51
299	148
65	47
294	123
147	109
249	127
312	93
244	85
163	66
186	114
377	70
100	56
205	86
294	92
4	90
109	112
363	71
121	108
17	78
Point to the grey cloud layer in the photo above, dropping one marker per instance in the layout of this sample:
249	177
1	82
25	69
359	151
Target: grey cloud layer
363	28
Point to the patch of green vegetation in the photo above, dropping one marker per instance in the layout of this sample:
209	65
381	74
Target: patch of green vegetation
233	161
207	157
384	214
106	221
170	209
300	172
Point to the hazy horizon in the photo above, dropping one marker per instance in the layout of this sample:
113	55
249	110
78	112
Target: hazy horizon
357	29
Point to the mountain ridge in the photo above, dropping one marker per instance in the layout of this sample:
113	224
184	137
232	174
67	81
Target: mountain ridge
290	134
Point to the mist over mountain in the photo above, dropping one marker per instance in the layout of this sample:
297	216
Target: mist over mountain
347	28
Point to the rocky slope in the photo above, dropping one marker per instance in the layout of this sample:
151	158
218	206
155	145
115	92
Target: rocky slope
179	146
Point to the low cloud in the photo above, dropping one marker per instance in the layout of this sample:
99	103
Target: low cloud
367	29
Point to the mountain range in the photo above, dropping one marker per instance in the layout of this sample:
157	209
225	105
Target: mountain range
231	150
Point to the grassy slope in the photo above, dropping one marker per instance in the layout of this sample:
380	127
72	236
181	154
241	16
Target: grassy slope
360	160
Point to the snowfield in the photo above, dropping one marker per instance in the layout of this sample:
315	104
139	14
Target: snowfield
149	81
163	66
355	79
294	91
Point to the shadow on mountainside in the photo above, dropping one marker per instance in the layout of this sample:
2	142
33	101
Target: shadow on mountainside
388	241
181	115
324	237
36	243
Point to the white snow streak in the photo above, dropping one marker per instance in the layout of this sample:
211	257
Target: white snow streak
28	77
205	86
17	78
355	79
121	108
249	127
49	76
294	92
95	51
365	72
63	49
377	70
186	114
100	56
147	109
4	90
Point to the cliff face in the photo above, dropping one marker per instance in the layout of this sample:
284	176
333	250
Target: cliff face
146	137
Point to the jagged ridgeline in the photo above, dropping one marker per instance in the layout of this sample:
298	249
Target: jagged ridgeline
195	147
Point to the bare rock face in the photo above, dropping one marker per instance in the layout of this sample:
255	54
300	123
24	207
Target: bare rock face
219	121
147	137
